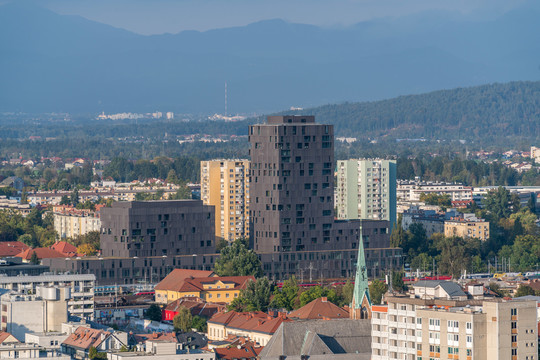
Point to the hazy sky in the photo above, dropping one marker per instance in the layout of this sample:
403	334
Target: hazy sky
161	16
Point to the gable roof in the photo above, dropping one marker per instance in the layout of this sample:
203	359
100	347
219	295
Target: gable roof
6	337
12	248
175	280
450	287
84	338
318	309
65	248
42	253
162	336
196	306
320	337
245	351
256	321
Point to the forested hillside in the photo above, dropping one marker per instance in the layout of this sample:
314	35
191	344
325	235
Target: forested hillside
493	112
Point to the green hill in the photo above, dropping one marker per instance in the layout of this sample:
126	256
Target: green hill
475	113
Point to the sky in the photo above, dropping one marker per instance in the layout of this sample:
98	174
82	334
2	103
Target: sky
172	16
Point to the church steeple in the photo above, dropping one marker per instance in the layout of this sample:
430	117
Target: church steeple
361	302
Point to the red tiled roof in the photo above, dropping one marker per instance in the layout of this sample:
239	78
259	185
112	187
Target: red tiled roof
319	309
85	338
196	306
247	351
42	253
12	248
141	338
175	280
4	335
254	321
64	248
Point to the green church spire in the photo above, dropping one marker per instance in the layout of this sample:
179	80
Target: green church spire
361	297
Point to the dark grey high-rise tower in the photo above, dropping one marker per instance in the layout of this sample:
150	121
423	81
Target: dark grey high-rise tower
292	223
292	184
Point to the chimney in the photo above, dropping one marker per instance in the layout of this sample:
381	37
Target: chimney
324	299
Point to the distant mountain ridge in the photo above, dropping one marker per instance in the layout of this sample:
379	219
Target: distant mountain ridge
495	111
52	62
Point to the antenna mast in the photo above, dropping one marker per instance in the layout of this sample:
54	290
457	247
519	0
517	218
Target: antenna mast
225	98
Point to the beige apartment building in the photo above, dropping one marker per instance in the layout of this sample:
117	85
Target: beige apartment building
467	228
225	184
418	327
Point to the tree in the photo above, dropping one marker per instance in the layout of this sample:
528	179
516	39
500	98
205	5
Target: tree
524	290
87	249
199	323
74	198
171	177
94	354
34	260
397	281
287	297
347	293
64	200
377	289
238	260
497	289
183	320
255	297
28	240
221	243
153	313
316	292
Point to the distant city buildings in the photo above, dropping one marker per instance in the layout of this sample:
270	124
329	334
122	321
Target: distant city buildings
366	189
411	190
467	226
225	185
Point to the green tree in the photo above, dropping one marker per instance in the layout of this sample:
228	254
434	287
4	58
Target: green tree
34	260
524	290
397	281
255	297
74	198
64	200
28	240
316	292
347	293
171	177
287	296
153	313
238	260
94	354
199	323
377	289
501	203
183	320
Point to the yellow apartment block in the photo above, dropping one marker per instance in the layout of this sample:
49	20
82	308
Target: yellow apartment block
225	184
467	229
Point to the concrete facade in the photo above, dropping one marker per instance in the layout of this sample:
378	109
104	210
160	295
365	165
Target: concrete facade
366	189
81	302
157	228
43	312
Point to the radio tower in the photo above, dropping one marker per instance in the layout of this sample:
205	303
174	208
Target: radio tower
225	98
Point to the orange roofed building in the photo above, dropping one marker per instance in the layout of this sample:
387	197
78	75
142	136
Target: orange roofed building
257	326
319	308
42	253
168	289
12	248
210	288
78	344
65	248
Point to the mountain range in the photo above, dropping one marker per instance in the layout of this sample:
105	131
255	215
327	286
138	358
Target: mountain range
55	63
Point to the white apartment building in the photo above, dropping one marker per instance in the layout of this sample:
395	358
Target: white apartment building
441	322
75	223
81	302
366	189
41	312
410	191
